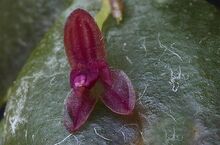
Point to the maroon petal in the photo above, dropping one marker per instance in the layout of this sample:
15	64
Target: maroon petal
77	110
105	73
83	40
120	95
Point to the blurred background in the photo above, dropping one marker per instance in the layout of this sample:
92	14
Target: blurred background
22	25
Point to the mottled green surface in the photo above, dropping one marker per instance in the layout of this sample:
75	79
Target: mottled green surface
169	49
22	25
1	129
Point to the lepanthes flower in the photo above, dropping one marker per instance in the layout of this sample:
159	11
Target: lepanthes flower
85	49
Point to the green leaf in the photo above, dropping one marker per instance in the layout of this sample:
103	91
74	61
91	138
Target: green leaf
170	51
103	14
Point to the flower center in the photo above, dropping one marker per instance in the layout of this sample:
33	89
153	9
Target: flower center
80	81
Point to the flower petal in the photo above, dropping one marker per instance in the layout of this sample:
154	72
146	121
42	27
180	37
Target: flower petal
120	95
105	73
77	110
83	40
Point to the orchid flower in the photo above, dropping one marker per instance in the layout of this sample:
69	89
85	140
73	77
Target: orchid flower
85	49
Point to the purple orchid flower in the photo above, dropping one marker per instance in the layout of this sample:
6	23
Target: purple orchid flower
85	49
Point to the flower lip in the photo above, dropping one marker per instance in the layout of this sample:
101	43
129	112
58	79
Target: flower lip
80	81
83	78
